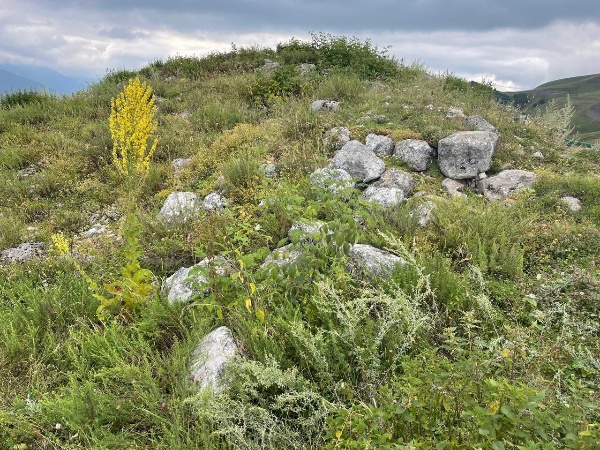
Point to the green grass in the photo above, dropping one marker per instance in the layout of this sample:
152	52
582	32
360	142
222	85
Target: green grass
481	341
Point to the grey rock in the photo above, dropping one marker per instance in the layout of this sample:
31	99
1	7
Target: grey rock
505	183
336	137
538	155
306	229
23	252
465	154
332	179
480	124
307	68
423	213
269	170
214	202
396	178
321	105
269	65
210	357
380	145
180	163
573	203
418	155
371	262
179	287
453	187
180	206
282	256
27	172
385	196
454	112
96	230
360	162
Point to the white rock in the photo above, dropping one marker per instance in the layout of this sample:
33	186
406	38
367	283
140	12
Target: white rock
210	357
180	206
573	203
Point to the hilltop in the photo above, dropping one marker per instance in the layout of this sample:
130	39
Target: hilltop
584	92
334	218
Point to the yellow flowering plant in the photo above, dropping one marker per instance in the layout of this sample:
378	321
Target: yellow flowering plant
132	125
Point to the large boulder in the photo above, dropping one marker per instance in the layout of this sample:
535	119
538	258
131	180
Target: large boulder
180	287
505	183
23	252
372	262
360	162
465	154
416	154
210	357
380	145
180	206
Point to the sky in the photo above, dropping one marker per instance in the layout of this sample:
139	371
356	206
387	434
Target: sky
514	44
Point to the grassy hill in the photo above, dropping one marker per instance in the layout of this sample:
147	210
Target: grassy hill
584	92
486	338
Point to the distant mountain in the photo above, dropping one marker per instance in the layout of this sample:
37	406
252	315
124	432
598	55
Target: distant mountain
585	96
18	76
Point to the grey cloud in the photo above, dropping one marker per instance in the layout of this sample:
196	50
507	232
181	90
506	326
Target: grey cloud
339	15
122	33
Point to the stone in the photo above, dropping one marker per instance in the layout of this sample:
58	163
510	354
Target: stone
27	172
505	183
538	155
180	163
371	262
416	154
282	256
396	178
385	196
423	213
214	202
379	118
23	252
95	231
453	187
269	65
480	124
269	170
573	203
179	287
332	179
336	137
454	112
322	105
180	206
380	145
360	162
465	154
306	68
306	230
210	357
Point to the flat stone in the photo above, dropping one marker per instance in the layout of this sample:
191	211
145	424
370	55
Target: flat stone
453	187
506	183
23	252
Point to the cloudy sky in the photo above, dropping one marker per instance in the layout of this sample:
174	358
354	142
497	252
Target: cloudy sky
516	44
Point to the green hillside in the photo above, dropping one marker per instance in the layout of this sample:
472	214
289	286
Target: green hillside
584	92
481	333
